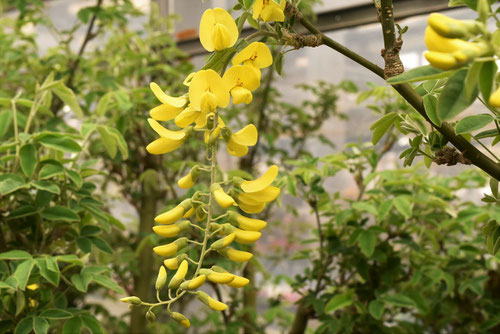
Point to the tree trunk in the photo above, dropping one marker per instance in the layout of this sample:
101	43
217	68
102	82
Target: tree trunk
302	316
249	298
146	272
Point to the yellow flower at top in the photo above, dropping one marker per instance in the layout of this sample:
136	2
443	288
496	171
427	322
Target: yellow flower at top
208	91
218	31
170	107
268	10
256	55
241	81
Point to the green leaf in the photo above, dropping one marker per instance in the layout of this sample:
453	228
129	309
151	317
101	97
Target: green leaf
403	206
104	103
419	74
430	105
58	212
50	169
120	141
108	283
367	240
486	78
381	126
73	326
340	301
50	275
493	240
108	140
278	63
27	154
55	313
472	4
75	178
384	208
15	255
92	324
49	186
471	79
473	123
68	97
59	142
10	183
40	325
24	326
376	309
452	100
81	281
84	244
23	272
102	245
399	299
364	206
5	121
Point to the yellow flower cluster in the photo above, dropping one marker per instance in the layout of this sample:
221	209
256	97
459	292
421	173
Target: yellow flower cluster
447	41
207	92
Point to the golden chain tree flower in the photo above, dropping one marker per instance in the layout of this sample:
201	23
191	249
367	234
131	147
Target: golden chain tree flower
268	10
218	31
208	91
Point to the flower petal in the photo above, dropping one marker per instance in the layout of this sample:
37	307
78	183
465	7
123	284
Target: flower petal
177	102
163	145
186	117
265	195
207	23
166	133
261	183
164	112
236	149
246	136
252	208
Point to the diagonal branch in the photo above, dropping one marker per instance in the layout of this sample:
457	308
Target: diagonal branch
477	158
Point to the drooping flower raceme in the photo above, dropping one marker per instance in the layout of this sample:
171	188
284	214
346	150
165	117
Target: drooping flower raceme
208	91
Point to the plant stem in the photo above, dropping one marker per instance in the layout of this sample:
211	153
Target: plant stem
16	132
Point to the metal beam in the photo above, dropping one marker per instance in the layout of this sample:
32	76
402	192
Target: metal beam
344	18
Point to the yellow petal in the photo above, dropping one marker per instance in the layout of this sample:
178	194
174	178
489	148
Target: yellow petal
193	284
238	282
261	183
436	42
248	200
177	102
172	263
495	98
257	54
189	213
243	76
164	112
170	216
250	224
185	182
216	305
208	81
186	117
208	102
163	145
246	136
217	30
188	79
167	231
246	237
223	199
257	8
166	250
165	133
179	275
220	37
252	208
220	278
236	149
241	95
265	195
444	61
201	120
272	13
236	255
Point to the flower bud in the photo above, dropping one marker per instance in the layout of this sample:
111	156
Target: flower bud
180	318
132	300
238	282
224	242
189	213
188	181
226	133
200	214
223	199
194	283
210	302
246	237
235	255
220	278
161	279
495	98
150	316
169	231
179	275
171	248
245	223
173	263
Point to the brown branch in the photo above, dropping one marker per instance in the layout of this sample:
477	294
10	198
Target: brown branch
477	158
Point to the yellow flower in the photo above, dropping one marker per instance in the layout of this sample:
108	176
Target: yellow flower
207	91
238	282
180	318
170	231
170	107
247	224
194	283
452	28
215	134
241	81
261	183
218	30
220	278
188	181
210	302
268	10
173	263
174	214
235	255
171	248
223	199
495	98
161	279
256	56
224	242
237	143
449	53
32	287
246	237
179	275
169	140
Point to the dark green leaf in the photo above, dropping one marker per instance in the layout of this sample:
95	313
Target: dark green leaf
27	154
54	313
471	80
108	283
72	326
24	326
81	281
84	244
50	169
473	123
376	309
75	177
40	325
486	78
102	245
278	63
58	212
48	186
452	100
51	276
10	183
5	121
59	142
399	299
15	255
92	324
